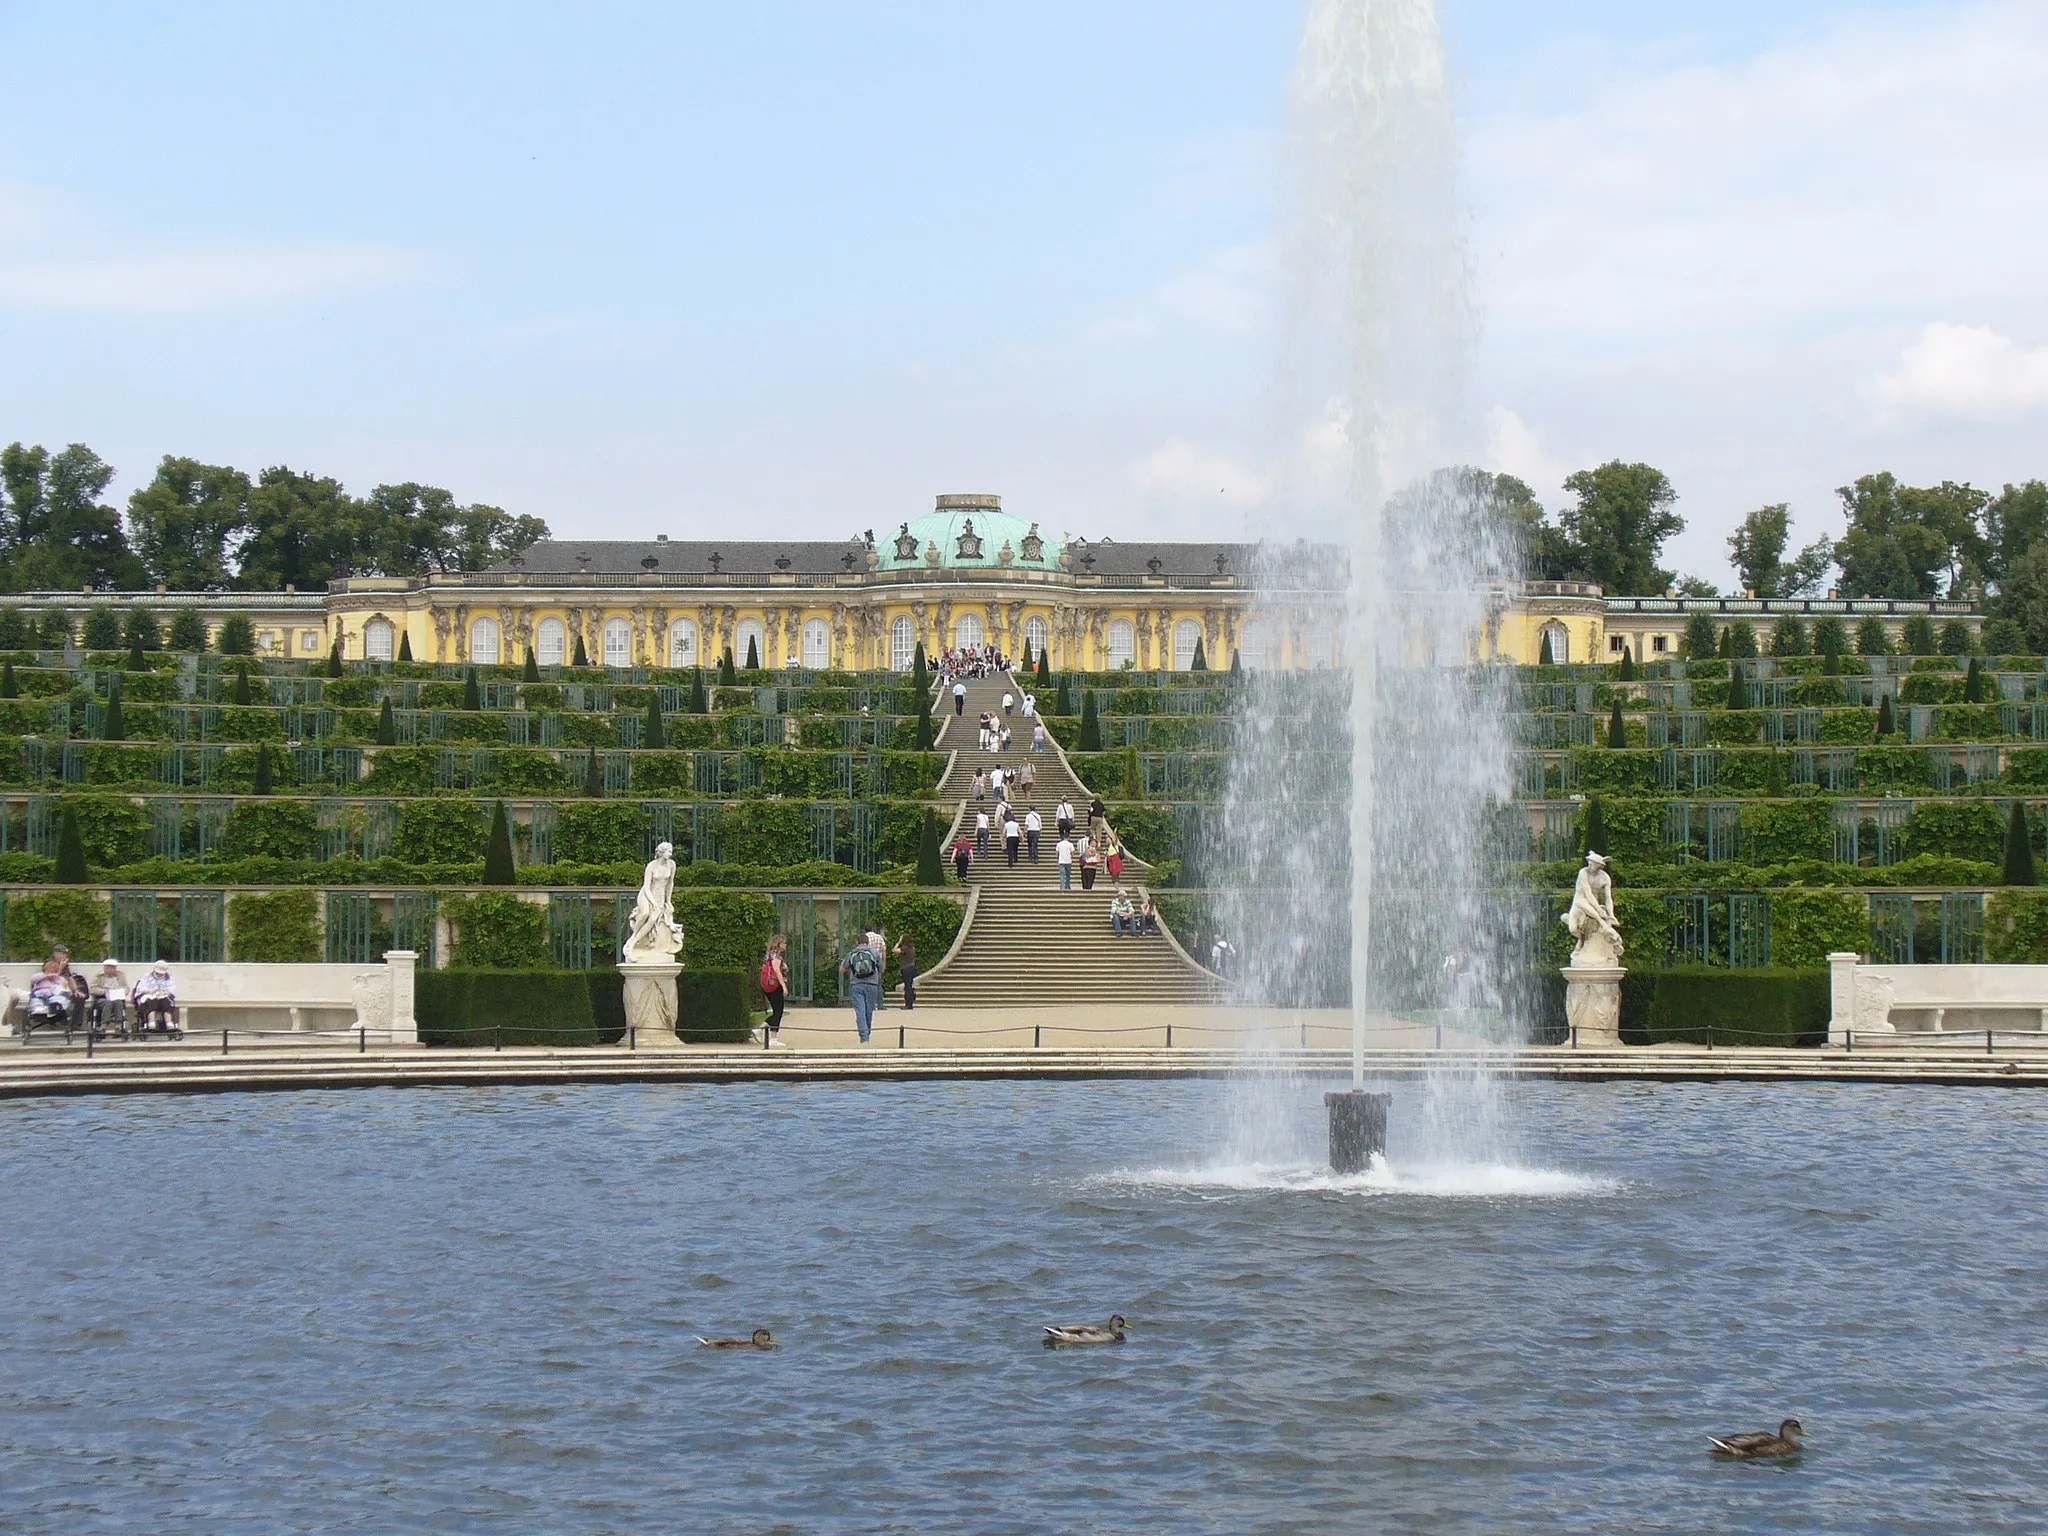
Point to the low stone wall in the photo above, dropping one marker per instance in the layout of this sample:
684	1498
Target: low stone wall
1879	1000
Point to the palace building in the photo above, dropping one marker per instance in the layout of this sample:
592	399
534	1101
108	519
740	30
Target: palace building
966	573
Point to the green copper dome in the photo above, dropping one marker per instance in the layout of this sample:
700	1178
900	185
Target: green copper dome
968	531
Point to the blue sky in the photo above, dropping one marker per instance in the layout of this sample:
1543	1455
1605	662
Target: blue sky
690	267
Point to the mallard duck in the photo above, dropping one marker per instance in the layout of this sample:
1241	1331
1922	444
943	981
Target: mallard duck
1111	1332
1760	1442
761	1339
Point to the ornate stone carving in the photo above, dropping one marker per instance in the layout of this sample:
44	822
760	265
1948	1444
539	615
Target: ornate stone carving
462	631
441	623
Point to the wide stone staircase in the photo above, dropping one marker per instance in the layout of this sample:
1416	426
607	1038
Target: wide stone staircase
1030	944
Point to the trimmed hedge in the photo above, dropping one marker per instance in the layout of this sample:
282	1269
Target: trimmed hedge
275	927
1775	1007
497	931
715	1007
480	1007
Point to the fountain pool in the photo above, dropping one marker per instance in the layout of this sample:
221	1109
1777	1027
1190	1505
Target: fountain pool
452	1309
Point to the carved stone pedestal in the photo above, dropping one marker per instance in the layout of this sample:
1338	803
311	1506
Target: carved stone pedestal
651	1002
1592	1004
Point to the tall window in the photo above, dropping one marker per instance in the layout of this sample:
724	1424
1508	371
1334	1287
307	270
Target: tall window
618	643
967	630
483	642
1123	643
682	643
1320	644
749	634
817	644
377	641
902	644
1186	635
1035	636
1252	646
551	643
1560	640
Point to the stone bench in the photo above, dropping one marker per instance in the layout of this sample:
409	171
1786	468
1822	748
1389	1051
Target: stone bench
1922	1000
302	999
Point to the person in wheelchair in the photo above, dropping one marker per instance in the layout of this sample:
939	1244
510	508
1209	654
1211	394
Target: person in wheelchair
156	1001
110	999
52	1002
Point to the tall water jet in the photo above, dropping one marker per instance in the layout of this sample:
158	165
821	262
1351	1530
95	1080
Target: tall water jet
1375	742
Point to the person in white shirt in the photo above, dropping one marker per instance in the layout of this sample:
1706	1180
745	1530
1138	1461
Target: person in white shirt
996	776
1009	701
1038	736
1030	705
1063	818
1011	838
959	698
1033	825
156	998
1063	851
981	834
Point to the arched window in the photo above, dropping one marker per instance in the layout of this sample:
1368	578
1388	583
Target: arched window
551	643
1560	640
682	643
967	630
1253	646
817	644
377	640
902	644
1035	636
483	642
1187	634
749	635
1123	643
618	643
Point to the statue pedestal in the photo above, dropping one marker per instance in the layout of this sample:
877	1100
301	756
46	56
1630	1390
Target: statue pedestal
651	1002
1592	1004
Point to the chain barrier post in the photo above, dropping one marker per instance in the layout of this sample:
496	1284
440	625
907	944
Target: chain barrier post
632	1037
362	1042
1035	1037
902	1035
497	1037
223	1042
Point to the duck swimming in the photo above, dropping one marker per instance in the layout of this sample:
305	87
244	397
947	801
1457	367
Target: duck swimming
761	1339
1760	1442
1087	1333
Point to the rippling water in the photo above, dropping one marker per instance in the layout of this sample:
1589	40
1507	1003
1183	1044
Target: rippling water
450	1310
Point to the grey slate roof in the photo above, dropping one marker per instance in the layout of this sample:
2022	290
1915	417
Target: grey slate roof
551	557
1113	558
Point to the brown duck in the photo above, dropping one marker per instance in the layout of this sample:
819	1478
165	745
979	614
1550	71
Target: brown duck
1760	1442
1087	1333
760	1339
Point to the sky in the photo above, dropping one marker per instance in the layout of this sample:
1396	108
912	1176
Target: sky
796	266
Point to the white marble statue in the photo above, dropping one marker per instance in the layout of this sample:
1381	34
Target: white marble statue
653	935
1595	933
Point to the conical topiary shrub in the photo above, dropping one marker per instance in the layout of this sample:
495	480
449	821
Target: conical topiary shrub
70	850
9	688
1091	726
1063	701
581	657
530	673
920	670
1201	661
653	735
1596	827
1543	656
1973	683
1887	722
1134	776
240	694
387	726
1774	776
1237	663
472	695
699	704
925	734
931	864
116	728
1044	671
753	654
1626	672
137	662
264	772
498	866
2019	849
1738	688
593	777
334	660
1617	728
405	647
728	674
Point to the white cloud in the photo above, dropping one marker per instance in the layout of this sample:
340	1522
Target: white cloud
51	259
1178	470
1514	448
1228	291
1966	371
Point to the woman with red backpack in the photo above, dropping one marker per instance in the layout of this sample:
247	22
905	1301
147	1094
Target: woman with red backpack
775	984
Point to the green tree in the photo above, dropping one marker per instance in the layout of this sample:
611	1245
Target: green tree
498	866
699	703
1918	636
15	632
1617	728
1757	551
236	636
1830	637
1544	656
1887	721
102	628
302	532
1595	840
70	850
2002	637
1201	661
188	631
581	658
2014	522
530	673
239	696
1774	776
1738	689
265	772
653	735
1873	639
2019	849
1910	542
753	654
387	724
1626	672
53	630
1788	638
593	776
188	522
1700	640
931	867
115	727
141	630
1618	525
9	687
55	530
1543	551
1091	724
334	668
728	675
405	647
1741	638
472	695
1957	639
2024	598
1973	683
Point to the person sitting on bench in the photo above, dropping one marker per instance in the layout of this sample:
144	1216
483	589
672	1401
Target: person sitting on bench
51	1002
110	998
156	1000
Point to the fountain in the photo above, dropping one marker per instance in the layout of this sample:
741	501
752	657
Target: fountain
1399	752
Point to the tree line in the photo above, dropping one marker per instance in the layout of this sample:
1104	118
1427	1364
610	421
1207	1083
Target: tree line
213	528
1950	541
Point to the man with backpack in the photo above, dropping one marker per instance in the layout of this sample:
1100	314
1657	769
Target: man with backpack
862	967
